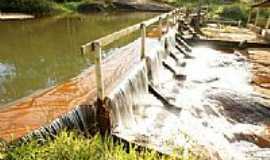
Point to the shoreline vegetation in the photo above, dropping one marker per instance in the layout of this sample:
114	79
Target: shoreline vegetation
40	8
71	145
217	9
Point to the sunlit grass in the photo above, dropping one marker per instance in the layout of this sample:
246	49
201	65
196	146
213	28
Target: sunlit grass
69	146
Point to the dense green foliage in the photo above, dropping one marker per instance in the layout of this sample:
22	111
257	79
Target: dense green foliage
235	11
45	7
26	6
217	9
71	146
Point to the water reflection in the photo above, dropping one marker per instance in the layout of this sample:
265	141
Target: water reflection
43	52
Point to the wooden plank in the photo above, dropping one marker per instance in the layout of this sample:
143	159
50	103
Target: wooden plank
119	34
236	23
217	43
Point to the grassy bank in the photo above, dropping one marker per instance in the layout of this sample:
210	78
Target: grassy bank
237	10
47	7
71	146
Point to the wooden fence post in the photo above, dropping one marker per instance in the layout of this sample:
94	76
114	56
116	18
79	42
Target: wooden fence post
239	23
174	14
143	35
249	16
99	74
160	27
257	16
167	23
268	23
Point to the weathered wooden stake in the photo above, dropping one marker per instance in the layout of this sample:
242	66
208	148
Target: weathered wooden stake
99	74
143	35
160	27
174	14
257	16
239	23
167	23
249	16
268	23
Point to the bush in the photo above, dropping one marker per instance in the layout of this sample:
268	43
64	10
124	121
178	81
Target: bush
26	6
71	146
235	12
63	1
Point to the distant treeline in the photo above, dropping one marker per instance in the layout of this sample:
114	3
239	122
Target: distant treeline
218	9
39	7
224	9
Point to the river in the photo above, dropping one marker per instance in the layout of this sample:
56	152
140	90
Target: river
39	53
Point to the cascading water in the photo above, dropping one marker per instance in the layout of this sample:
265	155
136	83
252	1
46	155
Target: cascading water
215	107
123	98
81	118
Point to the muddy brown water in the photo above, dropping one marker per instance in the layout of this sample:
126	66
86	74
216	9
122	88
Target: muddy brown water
36	54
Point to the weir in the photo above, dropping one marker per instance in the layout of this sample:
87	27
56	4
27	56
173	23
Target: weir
162	93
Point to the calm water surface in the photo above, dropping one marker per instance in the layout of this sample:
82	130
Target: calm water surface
36	54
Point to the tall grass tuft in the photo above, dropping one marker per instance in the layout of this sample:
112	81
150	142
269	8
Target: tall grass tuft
72	146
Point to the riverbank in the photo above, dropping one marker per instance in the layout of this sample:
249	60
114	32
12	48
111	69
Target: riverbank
71	145
15	16
45	7
216	9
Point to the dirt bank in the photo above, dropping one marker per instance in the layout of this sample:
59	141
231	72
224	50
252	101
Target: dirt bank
124	6
15	16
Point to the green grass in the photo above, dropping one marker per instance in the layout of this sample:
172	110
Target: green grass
42	7
71	146
38	7
218	10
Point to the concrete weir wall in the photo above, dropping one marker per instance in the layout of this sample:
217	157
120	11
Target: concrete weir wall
58	104
71	105
132	84
52	105
127	89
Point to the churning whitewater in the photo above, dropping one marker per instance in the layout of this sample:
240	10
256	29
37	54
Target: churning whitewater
212	107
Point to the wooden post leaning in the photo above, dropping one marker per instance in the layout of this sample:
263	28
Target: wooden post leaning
160	27
99	74
167	23
103	113
257	16
268	23
249	16
143	36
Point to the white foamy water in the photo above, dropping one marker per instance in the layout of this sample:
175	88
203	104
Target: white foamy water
213	108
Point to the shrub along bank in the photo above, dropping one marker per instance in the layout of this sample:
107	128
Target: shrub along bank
72	146
41	7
